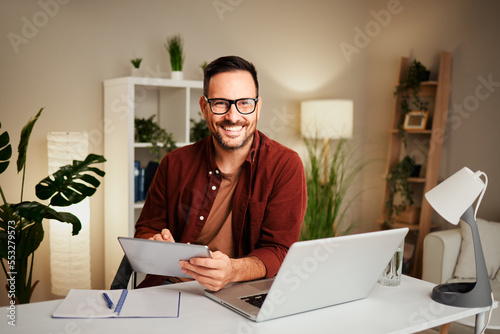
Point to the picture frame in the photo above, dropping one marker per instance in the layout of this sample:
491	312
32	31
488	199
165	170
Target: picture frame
415	120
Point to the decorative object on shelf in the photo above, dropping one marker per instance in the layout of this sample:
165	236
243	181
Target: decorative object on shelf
397	180
199	129
175	50
331	170
21	224
415	120
453	200
69	255
409	92
148	131
136	63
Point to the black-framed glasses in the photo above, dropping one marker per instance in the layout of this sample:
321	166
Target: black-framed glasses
244	106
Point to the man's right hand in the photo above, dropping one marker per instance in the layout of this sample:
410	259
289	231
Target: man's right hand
164	235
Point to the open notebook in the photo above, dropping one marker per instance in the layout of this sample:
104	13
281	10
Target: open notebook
141	303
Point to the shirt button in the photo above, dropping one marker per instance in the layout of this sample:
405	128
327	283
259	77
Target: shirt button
216	171
201	217
214	187
210	173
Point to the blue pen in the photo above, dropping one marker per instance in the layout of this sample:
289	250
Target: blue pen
108	300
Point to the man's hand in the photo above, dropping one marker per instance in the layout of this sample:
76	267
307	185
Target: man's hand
164	235
215	273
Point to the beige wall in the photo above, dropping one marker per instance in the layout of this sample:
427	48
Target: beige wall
72	46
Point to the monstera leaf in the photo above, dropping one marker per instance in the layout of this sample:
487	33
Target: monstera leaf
5	150
71	183
23	143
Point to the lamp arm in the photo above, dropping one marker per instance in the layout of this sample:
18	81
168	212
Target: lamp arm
482	278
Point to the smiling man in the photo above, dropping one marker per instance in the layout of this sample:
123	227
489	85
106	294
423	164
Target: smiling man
237	191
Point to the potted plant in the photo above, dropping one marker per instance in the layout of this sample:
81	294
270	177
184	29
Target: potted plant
397	179
162	142
199	129
136	63
408	91
174	48
327	203
21	230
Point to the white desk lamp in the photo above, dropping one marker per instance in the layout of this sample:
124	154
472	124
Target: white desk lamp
453	200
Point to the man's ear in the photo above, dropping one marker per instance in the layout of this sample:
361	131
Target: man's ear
259	105
203	107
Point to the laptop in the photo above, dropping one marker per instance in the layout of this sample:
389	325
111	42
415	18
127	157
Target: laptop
315	274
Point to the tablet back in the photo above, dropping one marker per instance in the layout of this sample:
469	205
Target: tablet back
160	257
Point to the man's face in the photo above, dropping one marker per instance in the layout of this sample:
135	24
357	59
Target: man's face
232	130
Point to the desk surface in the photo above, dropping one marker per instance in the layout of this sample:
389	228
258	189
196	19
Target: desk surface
404	309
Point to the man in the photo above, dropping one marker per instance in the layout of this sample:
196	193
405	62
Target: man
237	191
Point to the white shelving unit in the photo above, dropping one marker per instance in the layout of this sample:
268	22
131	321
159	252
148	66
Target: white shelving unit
175	103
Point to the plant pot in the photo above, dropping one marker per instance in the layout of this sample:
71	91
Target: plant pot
411	215
415	172
136	72
177	75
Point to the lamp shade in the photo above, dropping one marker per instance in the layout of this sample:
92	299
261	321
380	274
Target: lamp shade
452	197
69	255
331	119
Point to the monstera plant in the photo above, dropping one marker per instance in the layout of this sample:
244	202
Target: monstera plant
21	230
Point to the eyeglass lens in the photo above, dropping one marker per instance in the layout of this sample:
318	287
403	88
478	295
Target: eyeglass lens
221	106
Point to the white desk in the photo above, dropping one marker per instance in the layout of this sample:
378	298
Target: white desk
404	309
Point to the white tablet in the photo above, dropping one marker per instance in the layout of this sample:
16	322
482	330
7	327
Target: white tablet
160	257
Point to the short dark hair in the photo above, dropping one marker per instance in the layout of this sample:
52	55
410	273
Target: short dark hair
228	64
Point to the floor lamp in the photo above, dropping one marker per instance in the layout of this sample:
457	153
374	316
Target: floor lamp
69	255
453	199
326	119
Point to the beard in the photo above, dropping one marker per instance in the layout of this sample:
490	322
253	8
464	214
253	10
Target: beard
232	146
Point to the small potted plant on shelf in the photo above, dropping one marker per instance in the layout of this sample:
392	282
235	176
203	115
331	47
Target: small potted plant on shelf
399	186
21	229
136	64
162	142
199	129
408	91
175	50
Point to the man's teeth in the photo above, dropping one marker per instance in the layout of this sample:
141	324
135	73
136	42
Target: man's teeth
233	128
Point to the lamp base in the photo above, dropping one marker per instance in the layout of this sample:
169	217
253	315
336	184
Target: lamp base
462	294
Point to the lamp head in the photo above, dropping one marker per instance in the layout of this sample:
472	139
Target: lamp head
452	197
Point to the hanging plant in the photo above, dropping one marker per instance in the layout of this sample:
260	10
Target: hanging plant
408	91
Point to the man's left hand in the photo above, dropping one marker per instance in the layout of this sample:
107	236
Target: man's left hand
213	273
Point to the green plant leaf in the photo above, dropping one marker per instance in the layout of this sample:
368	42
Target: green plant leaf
23	143
30	239
34	212
71	183
5	150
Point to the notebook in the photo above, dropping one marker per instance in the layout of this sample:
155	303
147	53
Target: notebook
315	274
141	303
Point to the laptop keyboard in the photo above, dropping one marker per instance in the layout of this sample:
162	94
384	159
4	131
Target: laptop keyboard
255	300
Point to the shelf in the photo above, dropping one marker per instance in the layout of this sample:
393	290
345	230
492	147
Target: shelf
414	132
423	143
174	103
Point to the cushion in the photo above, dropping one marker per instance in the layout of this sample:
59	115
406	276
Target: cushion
489	233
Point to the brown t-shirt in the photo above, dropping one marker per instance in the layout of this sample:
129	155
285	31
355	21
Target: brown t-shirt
217	233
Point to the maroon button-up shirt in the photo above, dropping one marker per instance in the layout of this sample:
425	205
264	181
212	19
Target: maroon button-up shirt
269	201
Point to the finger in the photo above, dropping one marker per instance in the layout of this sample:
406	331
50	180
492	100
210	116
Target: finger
167	235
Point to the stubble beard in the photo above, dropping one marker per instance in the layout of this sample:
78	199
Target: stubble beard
220	140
